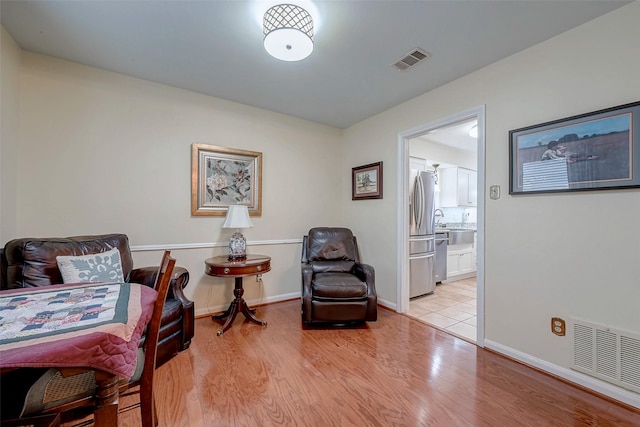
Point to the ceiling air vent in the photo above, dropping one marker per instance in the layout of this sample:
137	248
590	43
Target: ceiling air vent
412	58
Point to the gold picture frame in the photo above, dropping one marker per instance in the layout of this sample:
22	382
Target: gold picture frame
222	176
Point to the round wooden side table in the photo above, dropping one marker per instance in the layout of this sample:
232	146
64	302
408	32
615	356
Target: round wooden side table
221	266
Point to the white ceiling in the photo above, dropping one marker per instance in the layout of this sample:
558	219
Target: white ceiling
215	47
456	135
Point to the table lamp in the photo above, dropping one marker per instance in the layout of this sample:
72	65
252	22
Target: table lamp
237	217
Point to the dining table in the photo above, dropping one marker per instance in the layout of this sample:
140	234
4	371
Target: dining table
94	326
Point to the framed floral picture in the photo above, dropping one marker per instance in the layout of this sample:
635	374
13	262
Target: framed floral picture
223	176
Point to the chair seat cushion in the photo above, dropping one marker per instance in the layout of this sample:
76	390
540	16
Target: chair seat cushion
343	286
52	389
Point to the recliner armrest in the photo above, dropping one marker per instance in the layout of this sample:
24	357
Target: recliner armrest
179	279
365	272
307	275
370	277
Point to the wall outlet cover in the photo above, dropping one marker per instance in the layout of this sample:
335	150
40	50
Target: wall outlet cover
558	326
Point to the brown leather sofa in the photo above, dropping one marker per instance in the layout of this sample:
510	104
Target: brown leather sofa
32	262
336	286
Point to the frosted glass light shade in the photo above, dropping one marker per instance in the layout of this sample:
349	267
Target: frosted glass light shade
288	32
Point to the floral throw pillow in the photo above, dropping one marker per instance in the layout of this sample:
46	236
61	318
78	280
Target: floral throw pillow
102	267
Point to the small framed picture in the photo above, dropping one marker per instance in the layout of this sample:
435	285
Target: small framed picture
366	182
594	151
223	176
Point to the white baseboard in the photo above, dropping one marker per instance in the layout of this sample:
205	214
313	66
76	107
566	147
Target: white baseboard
625	396
457	277
388	304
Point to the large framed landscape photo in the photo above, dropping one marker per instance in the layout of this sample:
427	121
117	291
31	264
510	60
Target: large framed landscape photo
223	176
594	151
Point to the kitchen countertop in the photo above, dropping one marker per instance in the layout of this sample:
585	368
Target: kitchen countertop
447	229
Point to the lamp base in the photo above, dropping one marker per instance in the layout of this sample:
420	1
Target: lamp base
237	247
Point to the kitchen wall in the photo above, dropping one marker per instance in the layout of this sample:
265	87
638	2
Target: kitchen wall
460	217
544	254
446	156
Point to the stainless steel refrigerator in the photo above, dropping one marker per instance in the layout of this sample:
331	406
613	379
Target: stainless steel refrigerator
422	236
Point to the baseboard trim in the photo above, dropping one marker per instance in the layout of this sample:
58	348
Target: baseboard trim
592	384
388	304
462	276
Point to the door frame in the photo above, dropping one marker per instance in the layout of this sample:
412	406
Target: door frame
403	208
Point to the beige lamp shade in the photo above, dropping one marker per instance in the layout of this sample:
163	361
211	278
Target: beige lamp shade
237	217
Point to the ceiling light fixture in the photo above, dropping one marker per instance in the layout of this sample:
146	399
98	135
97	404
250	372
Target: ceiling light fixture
288	32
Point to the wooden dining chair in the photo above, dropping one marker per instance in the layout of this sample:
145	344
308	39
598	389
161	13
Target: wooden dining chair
75	394
143	379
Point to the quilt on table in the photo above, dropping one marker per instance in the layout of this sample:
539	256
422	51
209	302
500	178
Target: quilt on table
82	325
26	316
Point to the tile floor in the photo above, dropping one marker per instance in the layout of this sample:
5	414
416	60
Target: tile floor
451	307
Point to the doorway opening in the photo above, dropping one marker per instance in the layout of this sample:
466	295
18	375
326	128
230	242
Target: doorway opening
435	147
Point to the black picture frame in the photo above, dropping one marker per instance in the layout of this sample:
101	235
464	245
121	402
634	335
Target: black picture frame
366	182
599	150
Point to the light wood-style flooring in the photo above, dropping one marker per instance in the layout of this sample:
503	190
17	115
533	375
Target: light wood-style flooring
393	372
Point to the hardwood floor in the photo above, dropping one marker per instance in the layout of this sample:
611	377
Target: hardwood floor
393	372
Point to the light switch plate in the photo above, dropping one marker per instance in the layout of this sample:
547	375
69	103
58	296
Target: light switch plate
494	192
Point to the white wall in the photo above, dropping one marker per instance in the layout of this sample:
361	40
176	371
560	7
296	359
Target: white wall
9	108
102	152
565	255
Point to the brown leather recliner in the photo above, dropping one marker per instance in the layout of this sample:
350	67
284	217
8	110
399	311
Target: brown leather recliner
32	262
336	287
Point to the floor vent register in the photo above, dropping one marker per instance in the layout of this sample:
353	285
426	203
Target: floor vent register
612	355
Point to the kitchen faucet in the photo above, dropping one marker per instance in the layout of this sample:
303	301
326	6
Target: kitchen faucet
436	213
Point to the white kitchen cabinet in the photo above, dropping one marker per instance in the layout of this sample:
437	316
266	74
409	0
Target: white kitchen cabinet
458	187
461	261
